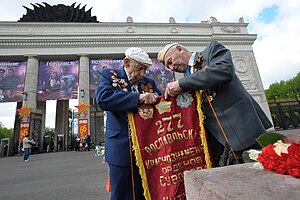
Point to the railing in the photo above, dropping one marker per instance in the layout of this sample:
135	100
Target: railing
285	114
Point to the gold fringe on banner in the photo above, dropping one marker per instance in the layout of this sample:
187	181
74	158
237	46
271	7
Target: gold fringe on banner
202	130
138	156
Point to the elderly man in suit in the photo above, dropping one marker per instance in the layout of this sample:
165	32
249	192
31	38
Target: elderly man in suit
233	119
122	90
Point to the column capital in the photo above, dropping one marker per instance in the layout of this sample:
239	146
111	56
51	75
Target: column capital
31	56
83	54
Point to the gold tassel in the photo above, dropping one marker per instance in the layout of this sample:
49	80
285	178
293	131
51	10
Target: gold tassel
202	130
138	155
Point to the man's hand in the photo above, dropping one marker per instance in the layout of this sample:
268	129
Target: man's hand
172	89
148	98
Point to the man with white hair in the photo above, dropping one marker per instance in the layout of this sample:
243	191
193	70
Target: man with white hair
120	91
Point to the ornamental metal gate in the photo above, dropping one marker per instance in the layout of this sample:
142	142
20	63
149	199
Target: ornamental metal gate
285	114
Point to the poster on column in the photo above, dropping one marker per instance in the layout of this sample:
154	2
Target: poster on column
24	130
83	127
12	79
58	80
157	71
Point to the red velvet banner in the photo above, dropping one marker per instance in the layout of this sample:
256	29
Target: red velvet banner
168	139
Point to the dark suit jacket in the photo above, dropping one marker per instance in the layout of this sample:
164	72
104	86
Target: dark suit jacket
114	96
240	115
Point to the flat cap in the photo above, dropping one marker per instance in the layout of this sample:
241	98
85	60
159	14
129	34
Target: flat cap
162	53
139	55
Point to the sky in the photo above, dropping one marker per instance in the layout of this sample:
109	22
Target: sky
276	23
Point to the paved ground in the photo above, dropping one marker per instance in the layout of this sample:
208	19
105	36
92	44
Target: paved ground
58	176
53	176
290	132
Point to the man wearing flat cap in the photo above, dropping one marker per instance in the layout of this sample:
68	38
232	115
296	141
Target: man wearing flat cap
233	119
120	91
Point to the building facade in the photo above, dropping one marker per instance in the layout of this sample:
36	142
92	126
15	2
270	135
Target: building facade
33	42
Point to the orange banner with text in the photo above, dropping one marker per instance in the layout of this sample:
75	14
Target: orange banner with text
169	138
24	130
83	127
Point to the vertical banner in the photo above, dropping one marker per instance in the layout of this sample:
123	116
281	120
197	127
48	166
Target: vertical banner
83	127
157	71
24	116
12	79
169	138
82	119
58	80
24	130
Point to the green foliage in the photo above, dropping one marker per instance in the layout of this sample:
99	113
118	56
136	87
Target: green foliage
49	131
284	90
5	132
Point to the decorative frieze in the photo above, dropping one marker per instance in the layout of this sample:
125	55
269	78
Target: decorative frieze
230	29
245	70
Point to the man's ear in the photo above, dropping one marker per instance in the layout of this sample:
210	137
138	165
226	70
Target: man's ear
178	47
126	62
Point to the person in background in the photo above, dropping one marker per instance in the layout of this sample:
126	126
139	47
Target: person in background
88	143
233	119
121	91
77	145
83	142
27	145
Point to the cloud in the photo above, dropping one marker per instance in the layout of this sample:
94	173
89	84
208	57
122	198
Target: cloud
7	114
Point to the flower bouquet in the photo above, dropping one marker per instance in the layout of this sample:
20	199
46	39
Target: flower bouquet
282	156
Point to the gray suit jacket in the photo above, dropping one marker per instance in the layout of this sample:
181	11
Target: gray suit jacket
240	115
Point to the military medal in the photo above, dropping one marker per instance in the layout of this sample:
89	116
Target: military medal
163	106
184	100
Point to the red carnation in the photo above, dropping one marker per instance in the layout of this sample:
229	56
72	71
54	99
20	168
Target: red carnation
286	163
293	160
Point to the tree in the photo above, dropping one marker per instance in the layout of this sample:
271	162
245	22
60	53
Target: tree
283	90
5	132
49	131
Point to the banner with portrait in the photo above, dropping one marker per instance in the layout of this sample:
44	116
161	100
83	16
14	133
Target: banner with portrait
169	138
58	80
12	79
157	71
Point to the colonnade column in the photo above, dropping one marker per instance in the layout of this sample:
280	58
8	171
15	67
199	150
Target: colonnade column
61	125
84	83
38	109
31	81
